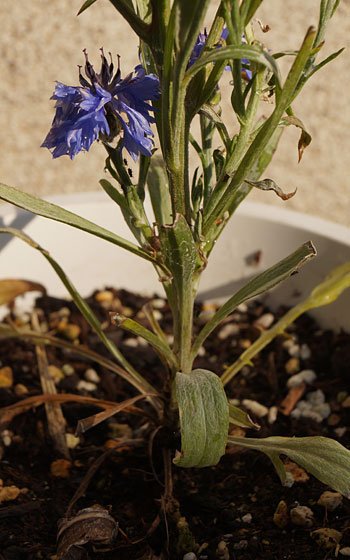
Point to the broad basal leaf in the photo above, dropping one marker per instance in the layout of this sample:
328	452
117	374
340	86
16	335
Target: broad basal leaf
204	418
325	458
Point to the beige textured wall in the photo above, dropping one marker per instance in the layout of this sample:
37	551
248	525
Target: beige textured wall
42	41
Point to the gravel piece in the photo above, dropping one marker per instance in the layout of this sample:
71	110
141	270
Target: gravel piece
6	377
272	414
316	398
305	352
306	375
330	500
56	374
86	386
346	402
294	350
228	330
92	375
253	406
345	551
292	366
327	538
241	545
189	556
247	518
302	516
68	369
265	321
340	431
159	303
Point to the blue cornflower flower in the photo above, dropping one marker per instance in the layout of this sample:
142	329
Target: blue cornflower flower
95	108
198	47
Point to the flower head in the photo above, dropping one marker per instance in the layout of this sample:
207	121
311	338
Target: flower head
103	104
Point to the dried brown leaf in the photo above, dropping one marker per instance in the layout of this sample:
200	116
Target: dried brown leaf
11	288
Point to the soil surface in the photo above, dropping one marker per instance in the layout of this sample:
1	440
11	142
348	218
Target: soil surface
118	471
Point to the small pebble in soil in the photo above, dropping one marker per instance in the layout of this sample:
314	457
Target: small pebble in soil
302	516
20	390
327	538
158	303
247	518
189	556
292	366
280	517
346	402
72	441
272	414
106	296
306	375
6	377
206	315
294	350
256	408
339	432
6	438
345	551
333	419
241	545
56	374
60	468
131	342
201	351
228	330
86	386
222	551
92	375
71	331
330	500
68	369
341	396
305	352
265	321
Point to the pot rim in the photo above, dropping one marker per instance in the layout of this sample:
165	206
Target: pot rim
268	213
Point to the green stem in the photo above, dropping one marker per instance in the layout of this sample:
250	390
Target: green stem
226	189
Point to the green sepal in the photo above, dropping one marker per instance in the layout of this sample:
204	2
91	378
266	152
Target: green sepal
204	418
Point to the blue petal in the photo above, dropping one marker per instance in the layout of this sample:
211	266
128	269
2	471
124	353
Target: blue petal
74	128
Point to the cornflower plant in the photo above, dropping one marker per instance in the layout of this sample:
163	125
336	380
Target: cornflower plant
175	84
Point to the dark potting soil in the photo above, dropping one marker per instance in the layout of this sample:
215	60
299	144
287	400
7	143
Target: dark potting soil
223	512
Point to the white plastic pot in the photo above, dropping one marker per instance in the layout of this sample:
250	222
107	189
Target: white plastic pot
93	263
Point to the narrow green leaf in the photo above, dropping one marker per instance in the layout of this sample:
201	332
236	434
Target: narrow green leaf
252	53
326	292
225	191
261	283
158	187
325	458
209	112
126	9
240	418
270	185
204	418
138	330
139	382
85	6
53	212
